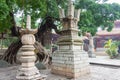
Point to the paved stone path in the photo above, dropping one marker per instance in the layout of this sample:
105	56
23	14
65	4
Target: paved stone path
105	60
97	73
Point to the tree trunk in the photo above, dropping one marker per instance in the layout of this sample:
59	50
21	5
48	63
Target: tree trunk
11	54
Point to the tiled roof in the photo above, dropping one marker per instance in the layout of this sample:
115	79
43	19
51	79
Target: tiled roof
105	32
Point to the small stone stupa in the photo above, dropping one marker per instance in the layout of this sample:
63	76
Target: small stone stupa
70	59
28	70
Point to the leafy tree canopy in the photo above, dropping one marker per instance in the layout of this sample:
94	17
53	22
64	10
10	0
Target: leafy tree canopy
38	9
4	11
94	15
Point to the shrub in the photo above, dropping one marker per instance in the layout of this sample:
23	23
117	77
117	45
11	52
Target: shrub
111	48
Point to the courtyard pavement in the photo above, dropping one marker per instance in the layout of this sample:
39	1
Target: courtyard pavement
98	72
105	60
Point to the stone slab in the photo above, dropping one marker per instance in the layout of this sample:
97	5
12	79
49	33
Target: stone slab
40	66
4	64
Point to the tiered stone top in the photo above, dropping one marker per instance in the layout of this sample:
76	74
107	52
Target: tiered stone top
72	17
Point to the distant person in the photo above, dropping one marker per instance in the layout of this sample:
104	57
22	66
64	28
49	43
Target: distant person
119	49
86	44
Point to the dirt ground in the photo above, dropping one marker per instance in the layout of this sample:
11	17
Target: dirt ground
97	73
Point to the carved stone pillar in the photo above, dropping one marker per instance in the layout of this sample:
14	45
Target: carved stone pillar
91	50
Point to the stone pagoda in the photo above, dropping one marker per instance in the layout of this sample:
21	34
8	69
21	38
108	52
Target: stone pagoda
28	70
70	60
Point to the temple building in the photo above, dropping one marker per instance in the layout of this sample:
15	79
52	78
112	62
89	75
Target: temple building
104	35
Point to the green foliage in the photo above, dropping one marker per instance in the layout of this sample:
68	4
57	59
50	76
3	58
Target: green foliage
4	10
6	42
117	43
5	18
5	24
94	15
111	53
111	48
38	9
108	44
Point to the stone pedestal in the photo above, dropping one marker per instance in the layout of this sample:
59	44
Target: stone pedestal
70	60
70	63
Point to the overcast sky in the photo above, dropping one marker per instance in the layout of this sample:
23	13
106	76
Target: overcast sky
116	1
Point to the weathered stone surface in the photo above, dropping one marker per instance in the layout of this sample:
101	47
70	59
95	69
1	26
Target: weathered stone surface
40	66
70	60
4	64
28	39
70	63
28	70
91	51
72	73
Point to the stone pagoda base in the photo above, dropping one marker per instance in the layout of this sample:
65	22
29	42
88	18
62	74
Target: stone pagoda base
29	74
28	70
70	63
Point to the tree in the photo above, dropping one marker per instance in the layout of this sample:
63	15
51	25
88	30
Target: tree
94	15
43	10
4	12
